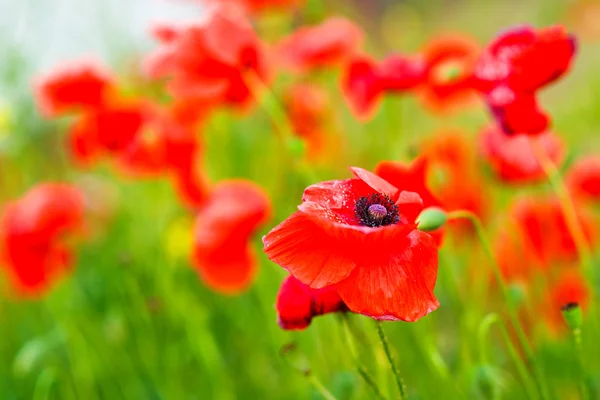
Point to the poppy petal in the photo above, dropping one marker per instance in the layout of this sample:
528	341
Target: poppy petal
397	283
376	182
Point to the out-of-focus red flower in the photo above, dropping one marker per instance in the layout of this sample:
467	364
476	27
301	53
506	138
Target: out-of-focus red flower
297	304
400	73
362	86
228	217
31	233
77	86
329	44
308	107
583	178
450	61
540	224
192	185
454	173
209	60
360	235
570	288
164	144
413	178
365	81
512	157
517	112
255	6
514	66
108	129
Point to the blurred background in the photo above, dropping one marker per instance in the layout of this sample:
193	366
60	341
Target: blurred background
132	320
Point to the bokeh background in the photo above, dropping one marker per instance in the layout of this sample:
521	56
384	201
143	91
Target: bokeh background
133	320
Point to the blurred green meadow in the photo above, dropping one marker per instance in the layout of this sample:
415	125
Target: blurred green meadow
132	320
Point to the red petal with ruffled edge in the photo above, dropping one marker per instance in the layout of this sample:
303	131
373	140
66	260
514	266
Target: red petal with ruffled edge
395	281
297	303
411	177
322	243
380	185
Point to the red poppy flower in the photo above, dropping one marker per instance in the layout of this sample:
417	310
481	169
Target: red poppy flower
223	255
400	73
571	288
365	81
360	235
514	66
256	6
455	177
450	61
413	178
512	157
362	86
539	222
307	107
297	304
109	129
209	60
31	233
164	144
583	178
329	44
76	86
192	185
516	112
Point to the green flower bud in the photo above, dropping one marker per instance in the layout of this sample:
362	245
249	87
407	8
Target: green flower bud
572	314
431	218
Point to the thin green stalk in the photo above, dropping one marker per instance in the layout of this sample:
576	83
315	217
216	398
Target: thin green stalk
369	380
567	206
583	388
386	348
484	328
360	369
512	312
320	388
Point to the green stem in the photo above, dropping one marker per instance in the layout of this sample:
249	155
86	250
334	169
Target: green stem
353	352
484	328
320	388
512	312
567	206
583	388
386	348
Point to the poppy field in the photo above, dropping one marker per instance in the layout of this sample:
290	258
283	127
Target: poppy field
305	199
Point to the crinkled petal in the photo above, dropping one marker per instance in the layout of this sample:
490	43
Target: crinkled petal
397	282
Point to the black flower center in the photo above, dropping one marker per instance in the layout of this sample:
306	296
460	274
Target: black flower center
376	210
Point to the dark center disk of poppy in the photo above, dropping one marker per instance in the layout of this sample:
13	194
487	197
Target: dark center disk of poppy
376	210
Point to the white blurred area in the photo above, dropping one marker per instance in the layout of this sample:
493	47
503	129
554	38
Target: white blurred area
46	32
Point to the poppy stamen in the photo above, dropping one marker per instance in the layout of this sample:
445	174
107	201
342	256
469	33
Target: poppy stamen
376	210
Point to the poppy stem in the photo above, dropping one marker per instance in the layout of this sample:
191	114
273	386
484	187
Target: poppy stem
512	312
484	328
567	206
360	369
583	388
320	388
386	348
